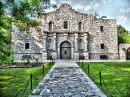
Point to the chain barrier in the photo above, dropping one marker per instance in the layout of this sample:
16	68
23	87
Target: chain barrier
102	80
33	77
25	87
89	71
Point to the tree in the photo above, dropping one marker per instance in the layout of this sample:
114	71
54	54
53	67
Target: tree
123	35
17	10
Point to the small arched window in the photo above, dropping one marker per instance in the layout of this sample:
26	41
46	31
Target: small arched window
50	26
102	46
65	24
80	44
50	44
80	26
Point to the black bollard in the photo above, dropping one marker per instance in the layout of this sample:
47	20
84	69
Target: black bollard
43	69
88	69
82	64
31	81
100	77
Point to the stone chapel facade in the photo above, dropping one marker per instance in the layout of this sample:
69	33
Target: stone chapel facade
67	34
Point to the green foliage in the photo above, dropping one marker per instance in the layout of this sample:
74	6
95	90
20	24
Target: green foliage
116	76
5	38
13	81
24	23
123	35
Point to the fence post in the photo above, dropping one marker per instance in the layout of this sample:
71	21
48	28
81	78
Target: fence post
88	69
100	76
50	64
82	64
43	69
31	81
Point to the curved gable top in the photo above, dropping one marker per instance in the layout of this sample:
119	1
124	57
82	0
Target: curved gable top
65	6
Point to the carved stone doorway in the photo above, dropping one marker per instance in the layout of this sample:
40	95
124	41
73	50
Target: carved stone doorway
65	50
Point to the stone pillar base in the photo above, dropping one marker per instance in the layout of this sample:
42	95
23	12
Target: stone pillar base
44	55
76	56
86	55
54	55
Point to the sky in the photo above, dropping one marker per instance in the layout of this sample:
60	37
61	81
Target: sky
113	9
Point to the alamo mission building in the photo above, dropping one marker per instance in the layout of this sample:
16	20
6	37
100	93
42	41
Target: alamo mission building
67	34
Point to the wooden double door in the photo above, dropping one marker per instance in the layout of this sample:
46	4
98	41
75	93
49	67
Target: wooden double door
65	50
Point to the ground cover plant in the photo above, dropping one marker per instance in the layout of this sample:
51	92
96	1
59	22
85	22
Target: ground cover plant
14	80
115	77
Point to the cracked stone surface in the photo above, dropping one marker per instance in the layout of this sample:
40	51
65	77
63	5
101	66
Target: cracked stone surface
66	79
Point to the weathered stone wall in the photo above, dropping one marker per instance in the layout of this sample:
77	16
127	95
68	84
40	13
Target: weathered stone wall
123	51
108	37
87	41
19	39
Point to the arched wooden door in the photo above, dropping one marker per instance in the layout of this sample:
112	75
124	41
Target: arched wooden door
65	50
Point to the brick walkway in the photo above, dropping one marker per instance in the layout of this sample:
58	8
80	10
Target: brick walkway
66	79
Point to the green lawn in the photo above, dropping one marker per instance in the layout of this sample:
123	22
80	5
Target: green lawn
13	81
116	77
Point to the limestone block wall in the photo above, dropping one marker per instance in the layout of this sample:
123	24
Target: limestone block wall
65	14
85	41
123	51
108	37
19	39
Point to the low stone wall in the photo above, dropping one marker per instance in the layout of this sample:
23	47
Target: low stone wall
33	56
110	56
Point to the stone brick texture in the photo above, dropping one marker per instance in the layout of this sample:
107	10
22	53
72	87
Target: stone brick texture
90	35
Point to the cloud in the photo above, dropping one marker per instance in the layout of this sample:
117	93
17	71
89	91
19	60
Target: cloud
78	7
122	10
92	7
96	6
128	10
88	8
53	1
122	17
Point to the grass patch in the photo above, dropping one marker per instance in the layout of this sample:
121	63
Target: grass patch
116	76
14	80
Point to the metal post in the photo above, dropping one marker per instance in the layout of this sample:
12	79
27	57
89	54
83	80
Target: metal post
49	65
88	69
82	64
100	76
31	81
43	69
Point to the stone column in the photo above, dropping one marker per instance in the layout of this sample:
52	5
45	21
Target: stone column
44	54
76	42
76	55
54	41
44	42
54	53
86	54
85	42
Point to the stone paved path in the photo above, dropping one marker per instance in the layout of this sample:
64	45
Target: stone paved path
66	79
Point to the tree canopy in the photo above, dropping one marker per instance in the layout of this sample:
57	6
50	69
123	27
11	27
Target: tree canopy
123	35
19	12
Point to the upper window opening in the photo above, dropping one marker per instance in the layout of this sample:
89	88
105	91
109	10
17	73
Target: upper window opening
80	26
101	28
102	46
50	26
26	45
65	24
